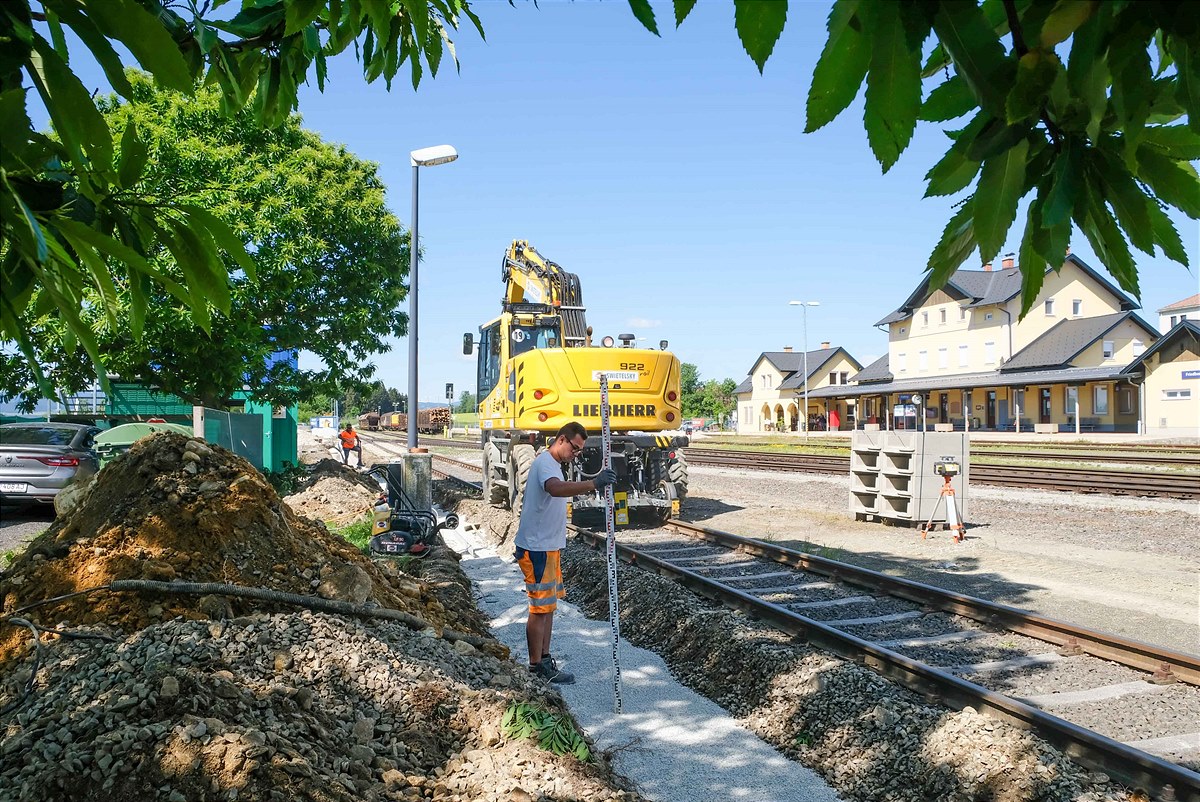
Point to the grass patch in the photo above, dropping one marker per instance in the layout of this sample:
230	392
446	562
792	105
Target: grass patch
357	533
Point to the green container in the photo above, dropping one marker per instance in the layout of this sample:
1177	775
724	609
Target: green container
118	439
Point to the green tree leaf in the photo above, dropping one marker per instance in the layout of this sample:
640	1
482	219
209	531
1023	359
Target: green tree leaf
952	174
759	24
1176	141
1132	80
956	244
973	45
1036	72
1166	236
893	88
1002	183
1065	19
104	53
949	100
1172	181
299	14
1065	176
682	9
645	15
1033	263
1127	199
133	157
843	64
1104	235
75	116
143	33
1187	66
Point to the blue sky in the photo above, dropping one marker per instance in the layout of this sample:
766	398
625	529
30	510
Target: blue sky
667	172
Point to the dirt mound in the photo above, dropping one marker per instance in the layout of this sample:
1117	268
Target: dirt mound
333	493
178	509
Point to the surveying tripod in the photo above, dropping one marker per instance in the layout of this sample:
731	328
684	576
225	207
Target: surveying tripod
954	522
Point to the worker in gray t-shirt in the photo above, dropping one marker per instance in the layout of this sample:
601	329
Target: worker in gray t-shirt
542	535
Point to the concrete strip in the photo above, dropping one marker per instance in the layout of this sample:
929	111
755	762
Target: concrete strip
1093	694
674	744
932	640
792	589
993	666
875	619
829	603
1169	744
770	575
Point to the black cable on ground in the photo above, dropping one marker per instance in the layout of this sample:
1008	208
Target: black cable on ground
308	602
37	662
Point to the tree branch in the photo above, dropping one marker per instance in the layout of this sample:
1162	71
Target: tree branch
1021	48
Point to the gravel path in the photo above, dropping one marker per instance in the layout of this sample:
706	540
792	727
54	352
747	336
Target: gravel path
1121	564
673	743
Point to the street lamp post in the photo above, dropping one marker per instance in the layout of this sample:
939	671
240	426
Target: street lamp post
804	305
425	157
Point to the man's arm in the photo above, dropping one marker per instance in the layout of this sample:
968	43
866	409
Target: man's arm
560	488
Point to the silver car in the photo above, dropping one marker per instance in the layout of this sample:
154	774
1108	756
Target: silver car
37	460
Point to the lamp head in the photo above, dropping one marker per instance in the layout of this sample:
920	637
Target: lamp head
431	157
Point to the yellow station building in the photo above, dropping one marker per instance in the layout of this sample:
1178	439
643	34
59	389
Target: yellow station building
960	357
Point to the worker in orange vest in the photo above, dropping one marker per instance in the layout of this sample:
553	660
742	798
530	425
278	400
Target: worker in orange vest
350	442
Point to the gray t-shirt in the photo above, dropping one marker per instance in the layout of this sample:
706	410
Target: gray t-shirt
543	525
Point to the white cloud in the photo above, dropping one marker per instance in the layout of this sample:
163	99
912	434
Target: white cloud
643	323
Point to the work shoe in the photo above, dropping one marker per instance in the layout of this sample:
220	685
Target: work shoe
549	671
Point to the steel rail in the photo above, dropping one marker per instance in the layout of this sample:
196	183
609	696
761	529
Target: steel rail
1166	663
1177	485
1092	750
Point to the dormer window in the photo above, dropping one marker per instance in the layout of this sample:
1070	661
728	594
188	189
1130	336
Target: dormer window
1077	307
924	318
1049	306
943	312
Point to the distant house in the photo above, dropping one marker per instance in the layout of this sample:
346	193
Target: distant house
771	397
1187	309
964	352
1169	375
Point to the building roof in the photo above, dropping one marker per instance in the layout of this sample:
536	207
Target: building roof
746	386
817	360
1067	339
877	371
987	287
1186	303
967	381
1181	329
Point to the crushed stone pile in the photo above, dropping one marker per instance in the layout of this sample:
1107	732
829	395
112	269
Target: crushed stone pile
174	508
216	699
333	493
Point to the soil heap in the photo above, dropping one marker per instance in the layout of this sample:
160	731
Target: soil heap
174	508
232	700
333	493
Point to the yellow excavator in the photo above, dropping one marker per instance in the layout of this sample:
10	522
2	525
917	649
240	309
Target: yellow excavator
538	369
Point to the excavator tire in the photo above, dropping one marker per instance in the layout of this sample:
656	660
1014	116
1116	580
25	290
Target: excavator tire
520	458
677	472
493	492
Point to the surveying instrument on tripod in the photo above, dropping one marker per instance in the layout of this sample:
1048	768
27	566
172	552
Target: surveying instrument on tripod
947	468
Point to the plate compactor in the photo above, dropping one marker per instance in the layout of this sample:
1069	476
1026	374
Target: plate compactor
399	530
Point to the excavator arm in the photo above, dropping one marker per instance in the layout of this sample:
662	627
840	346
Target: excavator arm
533	284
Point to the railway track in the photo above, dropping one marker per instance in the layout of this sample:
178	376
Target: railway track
1108	481
957	649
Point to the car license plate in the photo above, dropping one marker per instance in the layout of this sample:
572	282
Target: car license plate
12	487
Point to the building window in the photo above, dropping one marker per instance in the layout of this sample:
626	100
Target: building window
924	318
1139	348
1049	306
766	381
962	313
943	314
903	329
1077	307
1108	349
1174	320
1100	399
1125	400
962	356
923	360
988	316
989	353
843	378
1176	395
833	378
943	358
1071	401
900	365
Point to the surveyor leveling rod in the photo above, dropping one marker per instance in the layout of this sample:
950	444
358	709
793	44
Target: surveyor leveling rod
614	616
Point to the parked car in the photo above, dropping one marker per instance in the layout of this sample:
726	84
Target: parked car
37	460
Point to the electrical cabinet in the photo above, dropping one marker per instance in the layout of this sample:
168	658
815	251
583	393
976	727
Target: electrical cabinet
892	474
